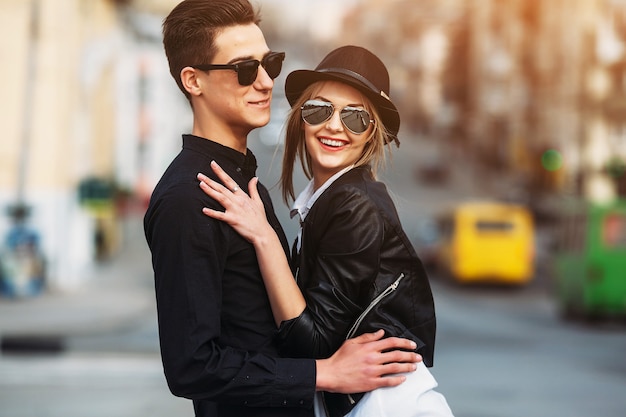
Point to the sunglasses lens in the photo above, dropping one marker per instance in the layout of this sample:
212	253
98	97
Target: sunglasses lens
356	120
273	64
315	112
247	72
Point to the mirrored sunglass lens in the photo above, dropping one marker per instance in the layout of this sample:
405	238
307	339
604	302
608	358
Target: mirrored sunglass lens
247	71
356	120
316	113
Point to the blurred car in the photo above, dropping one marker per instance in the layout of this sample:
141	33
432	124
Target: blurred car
488	242
590	261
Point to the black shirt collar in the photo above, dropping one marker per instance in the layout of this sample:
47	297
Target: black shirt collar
246	164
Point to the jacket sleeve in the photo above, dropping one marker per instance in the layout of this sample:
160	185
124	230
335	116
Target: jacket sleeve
188	265
346	233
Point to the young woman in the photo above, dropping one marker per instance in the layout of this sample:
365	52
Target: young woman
355	269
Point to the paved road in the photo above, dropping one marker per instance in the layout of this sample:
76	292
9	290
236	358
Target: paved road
87	384
504	353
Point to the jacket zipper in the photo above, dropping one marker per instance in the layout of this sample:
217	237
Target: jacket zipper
391	288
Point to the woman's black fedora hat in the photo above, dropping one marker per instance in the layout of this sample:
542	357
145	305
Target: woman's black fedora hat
357	67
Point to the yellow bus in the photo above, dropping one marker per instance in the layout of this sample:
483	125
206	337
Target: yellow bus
487	241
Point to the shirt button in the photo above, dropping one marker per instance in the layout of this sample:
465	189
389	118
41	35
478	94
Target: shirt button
238	169
284	402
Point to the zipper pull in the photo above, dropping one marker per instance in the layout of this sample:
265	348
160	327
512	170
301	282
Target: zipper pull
397	282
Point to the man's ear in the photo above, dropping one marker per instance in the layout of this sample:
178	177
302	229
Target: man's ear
190	81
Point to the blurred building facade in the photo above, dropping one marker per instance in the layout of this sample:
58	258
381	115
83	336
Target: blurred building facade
83	85
509	81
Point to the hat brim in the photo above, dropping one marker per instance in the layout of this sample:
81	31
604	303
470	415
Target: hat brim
298	81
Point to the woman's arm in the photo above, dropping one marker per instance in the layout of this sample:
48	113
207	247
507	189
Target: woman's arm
342	242
247	216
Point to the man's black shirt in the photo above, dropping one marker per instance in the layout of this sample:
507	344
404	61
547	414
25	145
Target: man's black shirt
216	327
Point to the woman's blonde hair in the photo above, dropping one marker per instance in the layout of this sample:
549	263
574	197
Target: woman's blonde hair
373	153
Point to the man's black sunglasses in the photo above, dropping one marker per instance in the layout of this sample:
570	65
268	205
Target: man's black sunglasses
247	70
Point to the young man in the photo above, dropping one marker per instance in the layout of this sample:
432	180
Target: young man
215	322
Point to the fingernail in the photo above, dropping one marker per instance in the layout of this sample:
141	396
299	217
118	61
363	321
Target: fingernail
413	345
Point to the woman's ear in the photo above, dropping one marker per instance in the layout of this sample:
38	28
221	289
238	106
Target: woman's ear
190	81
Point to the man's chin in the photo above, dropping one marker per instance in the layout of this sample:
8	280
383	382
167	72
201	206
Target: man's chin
263	122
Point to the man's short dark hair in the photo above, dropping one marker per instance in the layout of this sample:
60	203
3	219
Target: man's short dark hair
190	29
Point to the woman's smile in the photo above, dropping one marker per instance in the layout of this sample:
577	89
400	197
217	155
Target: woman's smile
332	143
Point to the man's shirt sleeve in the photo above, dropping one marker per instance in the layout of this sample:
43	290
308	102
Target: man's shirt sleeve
189	255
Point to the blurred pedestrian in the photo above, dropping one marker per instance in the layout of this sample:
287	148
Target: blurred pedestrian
215	321
356	268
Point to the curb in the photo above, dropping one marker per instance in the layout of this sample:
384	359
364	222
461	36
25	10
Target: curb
32	344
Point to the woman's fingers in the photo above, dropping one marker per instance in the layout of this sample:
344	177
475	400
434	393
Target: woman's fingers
213	189
224	177
228	184
245	213
211	184
253	189
228	187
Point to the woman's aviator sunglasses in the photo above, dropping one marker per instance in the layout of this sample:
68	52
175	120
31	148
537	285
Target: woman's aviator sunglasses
355	119
247	70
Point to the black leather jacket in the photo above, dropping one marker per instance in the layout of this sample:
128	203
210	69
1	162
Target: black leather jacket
354	249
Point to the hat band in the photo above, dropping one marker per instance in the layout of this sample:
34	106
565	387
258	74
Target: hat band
358	76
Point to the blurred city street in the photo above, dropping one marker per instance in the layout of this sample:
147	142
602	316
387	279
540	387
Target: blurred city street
501	352
516	101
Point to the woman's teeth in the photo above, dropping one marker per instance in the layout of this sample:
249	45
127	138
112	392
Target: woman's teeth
331	142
